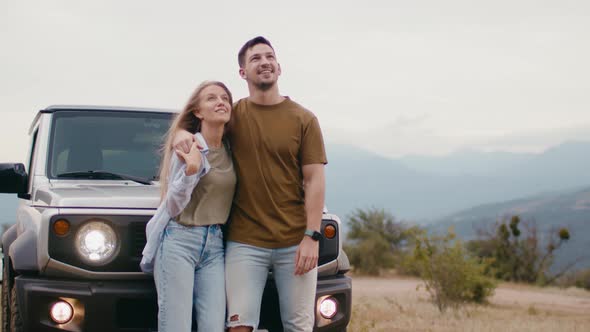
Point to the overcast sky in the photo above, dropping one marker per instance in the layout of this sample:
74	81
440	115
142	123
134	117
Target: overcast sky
394	77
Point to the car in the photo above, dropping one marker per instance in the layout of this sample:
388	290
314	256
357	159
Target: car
71	260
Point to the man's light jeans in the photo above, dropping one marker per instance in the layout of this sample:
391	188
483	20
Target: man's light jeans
246	271
189	270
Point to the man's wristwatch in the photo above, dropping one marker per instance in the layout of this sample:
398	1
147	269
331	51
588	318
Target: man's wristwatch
314	235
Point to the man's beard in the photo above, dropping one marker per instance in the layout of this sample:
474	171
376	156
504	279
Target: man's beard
264	86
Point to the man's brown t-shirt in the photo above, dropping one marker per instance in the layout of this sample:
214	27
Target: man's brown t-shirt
270	145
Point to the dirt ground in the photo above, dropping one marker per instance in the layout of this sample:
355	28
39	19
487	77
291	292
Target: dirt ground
394	304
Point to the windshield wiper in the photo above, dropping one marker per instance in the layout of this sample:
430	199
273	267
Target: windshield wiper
99	174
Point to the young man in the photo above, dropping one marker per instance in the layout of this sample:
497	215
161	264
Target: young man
279	158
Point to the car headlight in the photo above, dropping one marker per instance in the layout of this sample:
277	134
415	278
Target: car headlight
96	243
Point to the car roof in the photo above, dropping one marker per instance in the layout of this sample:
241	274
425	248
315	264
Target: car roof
58	108
54	108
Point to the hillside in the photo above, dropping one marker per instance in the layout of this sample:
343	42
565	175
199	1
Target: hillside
570	208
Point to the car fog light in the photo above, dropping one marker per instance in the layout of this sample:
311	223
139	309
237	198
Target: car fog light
329	307
96	243
61	312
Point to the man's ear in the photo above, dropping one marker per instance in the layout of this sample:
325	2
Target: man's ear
242	73
279	70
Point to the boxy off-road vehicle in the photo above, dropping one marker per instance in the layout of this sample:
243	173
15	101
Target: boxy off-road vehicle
71	260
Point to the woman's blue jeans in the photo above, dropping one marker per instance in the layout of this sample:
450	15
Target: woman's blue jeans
189	272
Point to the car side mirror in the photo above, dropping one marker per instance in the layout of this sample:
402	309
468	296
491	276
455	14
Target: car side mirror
13	179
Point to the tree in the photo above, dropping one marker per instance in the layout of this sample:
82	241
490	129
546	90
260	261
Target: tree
515	252
376	240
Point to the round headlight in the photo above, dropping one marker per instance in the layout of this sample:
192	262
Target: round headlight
96	243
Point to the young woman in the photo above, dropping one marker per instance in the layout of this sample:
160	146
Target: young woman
184	246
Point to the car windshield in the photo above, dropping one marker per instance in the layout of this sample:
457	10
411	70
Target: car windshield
122	143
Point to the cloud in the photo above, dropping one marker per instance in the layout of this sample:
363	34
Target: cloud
396	77
411	137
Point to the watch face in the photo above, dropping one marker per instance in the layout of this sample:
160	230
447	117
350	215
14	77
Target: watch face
316	236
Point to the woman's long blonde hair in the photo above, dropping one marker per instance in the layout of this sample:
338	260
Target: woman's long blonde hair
185	120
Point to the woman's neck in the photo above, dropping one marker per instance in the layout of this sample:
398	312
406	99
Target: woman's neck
212	135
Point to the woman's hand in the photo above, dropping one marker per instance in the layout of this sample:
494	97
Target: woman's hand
192	159
183	140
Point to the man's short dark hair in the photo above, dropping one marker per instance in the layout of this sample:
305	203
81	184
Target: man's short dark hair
248	45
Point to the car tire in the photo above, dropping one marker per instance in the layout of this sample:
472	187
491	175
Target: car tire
6	289
16	323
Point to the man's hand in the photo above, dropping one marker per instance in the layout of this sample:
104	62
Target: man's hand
183	140
306	258
192	159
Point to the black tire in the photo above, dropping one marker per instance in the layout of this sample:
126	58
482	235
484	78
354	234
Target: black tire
6	289
16	323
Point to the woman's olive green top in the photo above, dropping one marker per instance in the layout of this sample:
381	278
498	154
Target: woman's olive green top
212	197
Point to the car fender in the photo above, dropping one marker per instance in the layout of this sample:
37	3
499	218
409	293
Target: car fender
8	237
23	252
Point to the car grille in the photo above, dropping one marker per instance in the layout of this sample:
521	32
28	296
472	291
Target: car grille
137	239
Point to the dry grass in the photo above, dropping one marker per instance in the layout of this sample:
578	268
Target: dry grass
393	304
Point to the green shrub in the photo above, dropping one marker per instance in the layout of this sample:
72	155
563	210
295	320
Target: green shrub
376	241
517	251
450	276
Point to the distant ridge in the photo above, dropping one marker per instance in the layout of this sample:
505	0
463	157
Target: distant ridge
566	208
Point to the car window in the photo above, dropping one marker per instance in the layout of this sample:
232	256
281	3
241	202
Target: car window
119	142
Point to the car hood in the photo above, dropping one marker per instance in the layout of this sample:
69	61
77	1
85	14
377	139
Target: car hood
105	195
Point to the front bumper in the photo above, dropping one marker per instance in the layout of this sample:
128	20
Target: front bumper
131	306
98	305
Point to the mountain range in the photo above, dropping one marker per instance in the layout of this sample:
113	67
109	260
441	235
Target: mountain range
422	189
548	211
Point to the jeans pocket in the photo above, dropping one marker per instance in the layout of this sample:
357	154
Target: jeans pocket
174	232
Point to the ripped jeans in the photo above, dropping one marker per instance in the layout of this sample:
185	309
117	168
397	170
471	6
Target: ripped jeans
189	272
246	271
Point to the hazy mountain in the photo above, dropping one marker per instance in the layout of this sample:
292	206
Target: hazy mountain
552	210
467	162
472	162
357	178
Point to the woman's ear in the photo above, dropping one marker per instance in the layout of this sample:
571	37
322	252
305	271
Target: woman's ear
197	114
